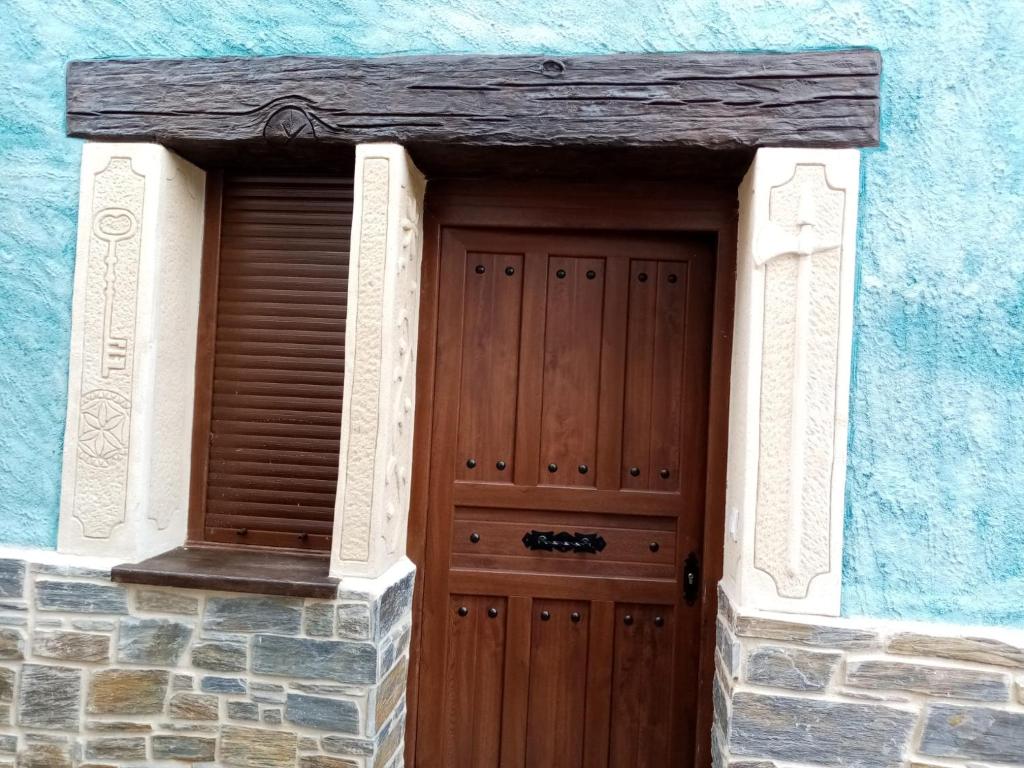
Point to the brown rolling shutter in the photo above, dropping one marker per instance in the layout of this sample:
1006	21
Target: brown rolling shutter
278	361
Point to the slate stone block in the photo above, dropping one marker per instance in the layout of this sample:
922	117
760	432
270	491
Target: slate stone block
45	756
117	726
71	571
127	692
49	697
977	733
791	668
395	604
219	657
6	684
12	578
390	692
322	761
222	685
71	646
8	744
976	649
841	638
192	749
81	597
929	680
243	710
253	614
728	648
159	601
272	716
388	741
181	682
820	732
194	706
345	745
320	619
266	693
92	625
12	645
256	748
340	660
336	715
152	641
116	748
354	621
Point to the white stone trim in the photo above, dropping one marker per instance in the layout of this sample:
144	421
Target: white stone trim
790	380
372	503
127	443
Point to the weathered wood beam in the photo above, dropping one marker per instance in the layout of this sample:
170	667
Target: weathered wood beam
686	100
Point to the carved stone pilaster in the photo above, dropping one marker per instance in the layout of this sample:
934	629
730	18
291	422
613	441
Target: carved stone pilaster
791	370
126	446
372	503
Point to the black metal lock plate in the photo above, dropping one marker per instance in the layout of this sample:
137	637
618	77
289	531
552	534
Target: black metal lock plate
691	578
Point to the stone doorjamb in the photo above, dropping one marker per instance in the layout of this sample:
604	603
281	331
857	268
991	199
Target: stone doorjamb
788	407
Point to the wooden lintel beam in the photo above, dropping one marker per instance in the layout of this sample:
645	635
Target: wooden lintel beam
685	100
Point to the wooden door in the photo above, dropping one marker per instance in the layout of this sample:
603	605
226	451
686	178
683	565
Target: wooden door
566	500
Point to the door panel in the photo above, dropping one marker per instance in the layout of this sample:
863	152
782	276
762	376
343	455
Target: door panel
492	298
571	373
558	684
570	398
642	669
475	671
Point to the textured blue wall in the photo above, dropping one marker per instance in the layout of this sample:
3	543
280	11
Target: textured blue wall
935	519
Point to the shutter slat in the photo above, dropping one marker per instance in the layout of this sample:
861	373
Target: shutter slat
279	360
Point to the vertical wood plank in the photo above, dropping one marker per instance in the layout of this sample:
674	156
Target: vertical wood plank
531	369
207	333
667	374
599	684
430	744
488	683
636	420
642	723
558	683
613	380
517	673
490	367
572	371
419	505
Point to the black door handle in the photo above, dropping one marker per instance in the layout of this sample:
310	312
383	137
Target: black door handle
549	541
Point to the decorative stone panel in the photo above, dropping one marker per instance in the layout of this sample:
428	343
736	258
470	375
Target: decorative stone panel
127	441
790	379
846	692
102	676
372	502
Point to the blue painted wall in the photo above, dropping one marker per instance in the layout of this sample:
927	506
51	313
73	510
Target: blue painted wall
935	518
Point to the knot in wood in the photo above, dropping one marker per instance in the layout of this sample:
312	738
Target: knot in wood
288	123
552	68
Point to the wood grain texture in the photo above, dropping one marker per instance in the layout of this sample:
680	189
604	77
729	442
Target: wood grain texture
711	100
234	569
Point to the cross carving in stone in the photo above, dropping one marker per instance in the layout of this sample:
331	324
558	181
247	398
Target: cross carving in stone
814	233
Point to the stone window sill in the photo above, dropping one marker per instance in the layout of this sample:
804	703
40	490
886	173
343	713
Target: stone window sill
257	571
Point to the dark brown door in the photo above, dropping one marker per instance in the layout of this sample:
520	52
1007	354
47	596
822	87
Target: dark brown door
570	413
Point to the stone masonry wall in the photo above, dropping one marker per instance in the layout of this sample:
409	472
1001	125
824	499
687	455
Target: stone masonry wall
850	694
99	675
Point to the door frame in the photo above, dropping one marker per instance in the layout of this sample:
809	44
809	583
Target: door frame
632	206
